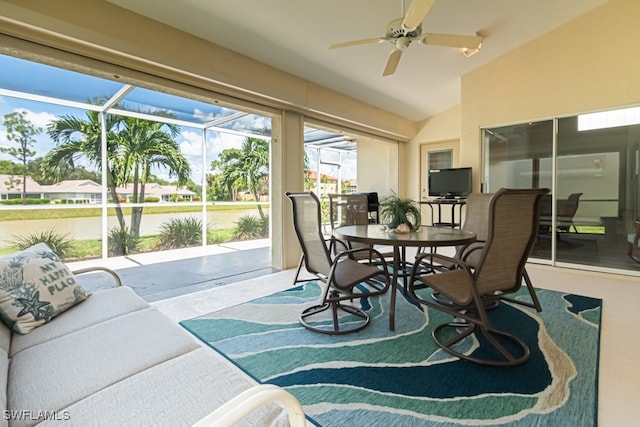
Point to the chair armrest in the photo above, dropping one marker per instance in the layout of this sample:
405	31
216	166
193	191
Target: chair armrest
442	259
246	402
333	241
469	249
371	251
105	269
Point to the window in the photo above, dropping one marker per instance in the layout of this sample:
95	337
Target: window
174	172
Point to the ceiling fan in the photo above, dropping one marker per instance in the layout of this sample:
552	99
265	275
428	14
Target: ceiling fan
402	31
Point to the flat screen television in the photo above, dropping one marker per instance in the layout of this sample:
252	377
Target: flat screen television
450	183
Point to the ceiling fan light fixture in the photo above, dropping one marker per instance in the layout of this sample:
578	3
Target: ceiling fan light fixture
402	43
467	52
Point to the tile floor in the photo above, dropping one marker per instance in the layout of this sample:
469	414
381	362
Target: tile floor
161	275
620	336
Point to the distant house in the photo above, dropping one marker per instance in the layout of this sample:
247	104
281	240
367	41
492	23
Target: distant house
11	188
164	193
329	184
74	191
85	191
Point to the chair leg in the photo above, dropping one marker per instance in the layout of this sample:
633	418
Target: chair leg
295	279
498	340
630	252
532	291
335	306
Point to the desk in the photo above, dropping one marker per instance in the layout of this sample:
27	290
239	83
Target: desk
425	236
459	203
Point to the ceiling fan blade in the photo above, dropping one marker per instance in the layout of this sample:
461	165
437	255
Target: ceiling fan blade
392	62
357	42
416	13
451	40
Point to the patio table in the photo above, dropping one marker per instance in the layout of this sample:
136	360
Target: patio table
425	236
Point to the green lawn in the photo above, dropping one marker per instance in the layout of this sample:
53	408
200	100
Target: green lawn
8	214
92	248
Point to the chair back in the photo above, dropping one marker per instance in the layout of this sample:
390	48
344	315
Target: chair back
356	212
513	226
373	205
348	209
477	215
477	221
308	227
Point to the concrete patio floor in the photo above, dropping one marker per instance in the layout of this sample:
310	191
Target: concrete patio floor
161	275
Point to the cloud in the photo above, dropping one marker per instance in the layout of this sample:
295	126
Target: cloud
43	143
41	119
191	144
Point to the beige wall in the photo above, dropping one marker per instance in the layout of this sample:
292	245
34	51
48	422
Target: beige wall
444	127
588	64
378	167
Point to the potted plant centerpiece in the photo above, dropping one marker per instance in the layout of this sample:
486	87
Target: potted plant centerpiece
400	214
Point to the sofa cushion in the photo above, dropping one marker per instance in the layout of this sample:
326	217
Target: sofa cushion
60	372
103	305
5	337
5	340
184	390
35	286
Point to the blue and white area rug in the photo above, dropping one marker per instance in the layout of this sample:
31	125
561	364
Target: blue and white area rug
401	378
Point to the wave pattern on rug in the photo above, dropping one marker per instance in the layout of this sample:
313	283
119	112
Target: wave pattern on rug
382	377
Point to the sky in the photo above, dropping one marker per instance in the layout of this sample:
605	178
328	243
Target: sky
24	76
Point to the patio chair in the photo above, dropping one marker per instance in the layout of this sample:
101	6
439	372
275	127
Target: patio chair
348	209
477	221
512	228
565	211
373	206
351	209
633	242
344	278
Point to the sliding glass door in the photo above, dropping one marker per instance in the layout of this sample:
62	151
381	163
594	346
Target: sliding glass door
520	156
591	168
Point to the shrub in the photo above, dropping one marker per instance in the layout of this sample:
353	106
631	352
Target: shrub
264	226
180	233
249	227
151	199
219	236
122	242
29	201
60	244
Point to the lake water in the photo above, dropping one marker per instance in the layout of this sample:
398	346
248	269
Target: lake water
90	228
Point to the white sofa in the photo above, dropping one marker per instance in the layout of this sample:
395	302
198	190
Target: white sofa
113	360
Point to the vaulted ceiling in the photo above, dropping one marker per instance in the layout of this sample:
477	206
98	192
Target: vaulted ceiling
294	35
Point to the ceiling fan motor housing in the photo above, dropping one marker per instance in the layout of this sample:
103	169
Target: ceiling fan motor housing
395	30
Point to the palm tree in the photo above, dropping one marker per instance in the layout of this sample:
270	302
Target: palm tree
81	137
134	146
142	145
247	166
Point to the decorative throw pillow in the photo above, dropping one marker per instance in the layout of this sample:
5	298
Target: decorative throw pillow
35	286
